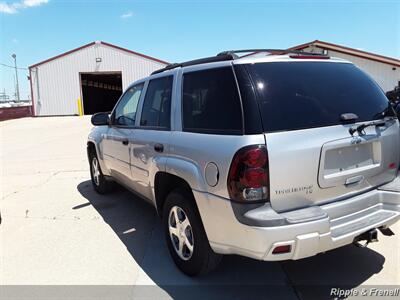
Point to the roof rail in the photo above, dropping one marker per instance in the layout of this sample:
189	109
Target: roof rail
272	51
210	59
231	55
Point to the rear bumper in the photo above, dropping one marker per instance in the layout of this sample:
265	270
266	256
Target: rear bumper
309	231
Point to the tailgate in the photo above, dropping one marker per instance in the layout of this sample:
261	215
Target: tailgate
321	165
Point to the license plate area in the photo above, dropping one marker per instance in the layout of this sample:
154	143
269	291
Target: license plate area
344	160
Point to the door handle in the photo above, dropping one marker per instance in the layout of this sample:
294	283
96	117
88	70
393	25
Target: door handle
354	180
159	147
125	142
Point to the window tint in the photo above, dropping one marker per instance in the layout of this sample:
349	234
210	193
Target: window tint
301	95
211	102
157	103
125	112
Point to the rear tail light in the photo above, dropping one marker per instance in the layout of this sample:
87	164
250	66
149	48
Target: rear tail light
248	178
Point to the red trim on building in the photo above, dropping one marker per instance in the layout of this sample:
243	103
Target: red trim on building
136	53
93	43
350	51
33	102
302	46
62	54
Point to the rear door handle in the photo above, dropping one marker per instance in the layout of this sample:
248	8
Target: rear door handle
159	147
125	142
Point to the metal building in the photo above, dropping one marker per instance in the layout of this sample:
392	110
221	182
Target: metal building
86	80
92	77
385	70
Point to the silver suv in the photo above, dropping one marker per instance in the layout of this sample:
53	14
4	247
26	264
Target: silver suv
275	155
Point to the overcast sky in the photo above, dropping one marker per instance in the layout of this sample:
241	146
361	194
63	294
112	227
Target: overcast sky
180	30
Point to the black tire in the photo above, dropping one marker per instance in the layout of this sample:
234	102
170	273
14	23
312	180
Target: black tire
101	185
202	259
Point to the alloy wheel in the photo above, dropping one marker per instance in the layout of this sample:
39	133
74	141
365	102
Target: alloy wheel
96	171
181	233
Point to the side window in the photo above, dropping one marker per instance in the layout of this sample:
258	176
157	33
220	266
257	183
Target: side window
211	102
156	110
125	112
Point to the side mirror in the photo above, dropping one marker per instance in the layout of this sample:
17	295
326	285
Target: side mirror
100	119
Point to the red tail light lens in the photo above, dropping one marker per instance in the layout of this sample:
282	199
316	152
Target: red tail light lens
248	178
254	178
255	158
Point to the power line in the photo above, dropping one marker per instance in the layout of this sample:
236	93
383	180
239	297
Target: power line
4	65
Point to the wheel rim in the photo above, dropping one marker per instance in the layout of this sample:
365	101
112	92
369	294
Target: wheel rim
180	232
96	171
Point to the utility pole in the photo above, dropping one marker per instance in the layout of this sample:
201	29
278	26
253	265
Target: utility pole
16	76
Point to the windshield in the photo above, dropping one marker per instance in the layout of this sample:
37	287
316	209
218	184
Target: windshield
300	95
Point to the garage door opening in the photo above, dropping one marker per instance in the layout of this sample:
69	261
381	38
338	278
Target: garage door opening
100	91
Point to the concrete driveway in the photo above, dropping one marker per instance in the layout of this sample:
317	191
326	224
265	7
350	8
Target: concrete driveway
57	231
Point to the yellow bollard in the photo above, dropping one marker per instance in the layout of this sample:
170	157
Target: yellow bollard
80	110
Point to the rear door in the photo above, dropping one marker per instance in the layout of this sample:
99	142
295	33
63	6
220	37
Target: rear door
313	157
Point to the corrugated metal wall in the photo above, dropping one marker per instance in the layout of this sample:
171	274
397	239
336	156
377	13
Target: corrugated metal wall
56	84
382	73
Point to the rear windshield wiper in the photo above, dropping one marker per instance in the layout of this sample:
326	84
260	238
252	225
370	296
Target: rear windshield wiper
352	118
360	129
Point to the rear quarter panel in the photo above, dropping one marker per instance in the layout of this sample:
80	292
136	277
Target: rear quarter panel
190	153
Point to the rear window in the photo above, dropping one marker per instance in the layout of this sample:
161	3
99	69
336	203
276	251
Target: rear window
157	103
302	95
211	102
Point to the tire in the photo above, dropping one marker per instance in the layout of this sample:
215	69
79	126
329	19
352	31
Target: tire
202	259
99	181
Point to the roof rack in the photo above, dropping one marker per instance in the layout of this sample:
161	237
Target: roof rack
231	55
272	51
210	59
